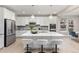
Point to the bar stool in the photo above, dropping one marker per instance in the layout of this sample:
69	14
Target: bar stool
28	44
42	43
55	43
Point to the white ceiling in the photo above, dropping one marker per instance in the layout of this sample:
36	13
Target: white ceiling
44	9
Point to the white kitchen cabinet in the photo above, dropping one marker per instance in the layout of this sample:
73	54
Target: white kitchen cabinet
39	20
1	26
1	21
9	14
22	21
1	41
4	13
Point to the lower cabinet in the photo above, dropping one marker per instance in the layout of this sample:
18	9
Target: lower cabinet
1	41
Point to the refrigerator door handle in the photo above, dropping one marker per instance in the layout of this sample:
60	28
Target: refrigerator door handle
1	34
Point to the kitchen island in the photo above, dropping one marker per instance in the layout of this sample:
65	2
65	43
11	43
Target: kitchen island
49	36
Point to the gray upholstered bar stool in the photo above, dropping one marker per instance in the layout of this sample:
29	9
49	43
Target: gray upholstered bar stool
42	43
28	45
55	43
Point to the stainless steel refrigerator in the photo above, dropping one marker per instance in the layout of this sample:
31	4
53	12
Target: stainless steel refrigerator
9	32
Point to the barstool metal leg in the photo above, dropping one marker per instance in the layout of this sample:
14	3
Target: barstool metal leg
28	50
55	49
42	49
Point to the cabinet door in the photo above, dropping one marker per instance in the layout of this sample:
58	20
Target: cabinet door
1	41
1	26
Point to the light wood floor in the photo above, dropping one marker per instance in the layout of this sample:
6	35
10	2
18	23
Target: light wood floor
68	46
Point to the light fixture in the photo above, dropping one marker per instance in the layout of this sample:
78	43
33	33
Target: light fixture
32	16
50	17
38	12
23	12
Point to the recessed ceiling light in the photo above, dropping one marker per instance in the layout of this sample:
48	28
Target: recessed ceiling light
39	12
23	12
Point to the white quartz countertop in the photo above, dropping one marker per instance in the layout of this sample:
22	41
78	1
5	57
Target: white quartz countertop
46	35
43	34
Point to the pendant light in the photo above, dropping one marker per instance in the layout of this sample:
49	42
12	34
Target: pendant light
32	16
50	16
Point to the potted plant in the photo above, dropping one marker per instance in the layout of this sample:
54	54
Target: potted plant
33	28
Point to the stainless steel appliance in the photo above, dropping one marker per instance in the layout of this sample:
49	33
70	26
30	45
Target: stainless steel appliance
53	27
9	32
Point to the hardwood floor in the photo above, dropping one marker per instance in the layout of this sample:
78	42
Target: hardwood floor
16	47
68	46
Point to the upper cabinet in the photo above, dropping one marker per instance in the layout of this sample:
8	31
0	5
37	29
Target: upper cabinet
43	21
9	14
22	21
1	21
6	13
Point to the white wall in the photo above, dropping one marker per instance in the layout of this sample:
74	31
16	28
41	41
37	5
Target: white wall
76	24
